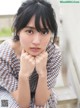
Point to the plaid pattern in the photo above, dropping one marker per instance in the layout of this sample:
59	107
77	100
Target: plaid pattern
9	70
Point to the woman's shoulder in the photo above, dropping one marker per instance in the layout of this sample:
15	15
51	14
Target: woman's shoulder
6	51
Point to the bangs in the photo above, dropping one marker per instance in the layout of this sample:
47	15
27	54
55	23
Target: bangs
41	15
47	19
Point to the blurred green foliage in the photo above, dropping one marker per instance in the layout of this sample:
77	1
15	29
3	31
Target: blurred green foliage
5	32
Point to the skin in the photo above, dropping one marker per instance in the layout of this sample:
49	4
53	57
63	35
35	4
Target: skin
32	52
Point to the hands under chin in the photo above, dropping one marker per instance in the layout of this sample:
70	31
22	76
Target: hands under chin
28	63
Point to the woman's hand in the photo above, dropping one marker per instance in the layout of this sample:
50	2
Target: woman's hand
41	62
27	64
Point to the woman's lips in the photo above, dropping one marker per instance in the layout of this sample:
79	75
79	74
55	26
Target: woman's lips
35	49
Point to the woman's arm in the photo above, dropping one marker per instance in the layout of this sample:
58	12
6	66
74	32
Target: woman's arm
44	95
42	91
22	94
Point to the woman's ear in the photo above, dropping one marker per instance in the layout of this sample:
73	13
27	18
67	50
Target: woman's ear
56	40
18	33
52	38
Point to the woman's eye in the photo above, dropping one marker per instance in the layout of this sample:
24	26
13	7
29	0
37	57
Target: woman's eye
45	32
29	31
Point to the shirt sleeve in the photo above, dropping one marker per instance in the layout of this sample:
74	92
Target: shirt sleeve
7	80
53	71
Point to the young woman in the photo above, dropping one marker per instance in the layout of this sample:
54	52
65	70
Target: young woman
30	62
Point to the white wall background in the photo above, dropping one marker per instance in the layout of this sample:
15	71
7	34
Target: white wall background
71	25
8	7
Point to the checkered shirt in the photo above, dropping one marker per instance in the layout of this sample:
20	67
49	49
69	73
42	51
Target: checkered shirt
9	71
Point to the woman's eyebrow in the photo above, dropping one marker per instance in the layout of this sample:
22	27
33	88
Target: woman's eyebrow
30	27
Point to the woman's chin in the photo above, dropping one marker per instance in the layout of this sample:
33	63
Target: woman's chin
34	54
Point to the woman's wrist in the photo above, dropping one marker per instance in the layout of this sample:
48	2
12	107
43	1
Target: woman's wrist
23	77
42	73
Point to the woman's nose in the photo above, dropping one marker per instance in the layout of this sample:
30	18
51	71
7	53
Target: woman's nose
36	39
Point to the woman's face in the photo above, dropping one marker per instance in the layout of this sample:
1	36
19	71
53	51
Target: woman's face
32	41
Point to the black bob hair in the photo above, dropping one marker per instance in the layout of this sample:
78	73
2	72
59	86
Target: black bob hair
38	8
